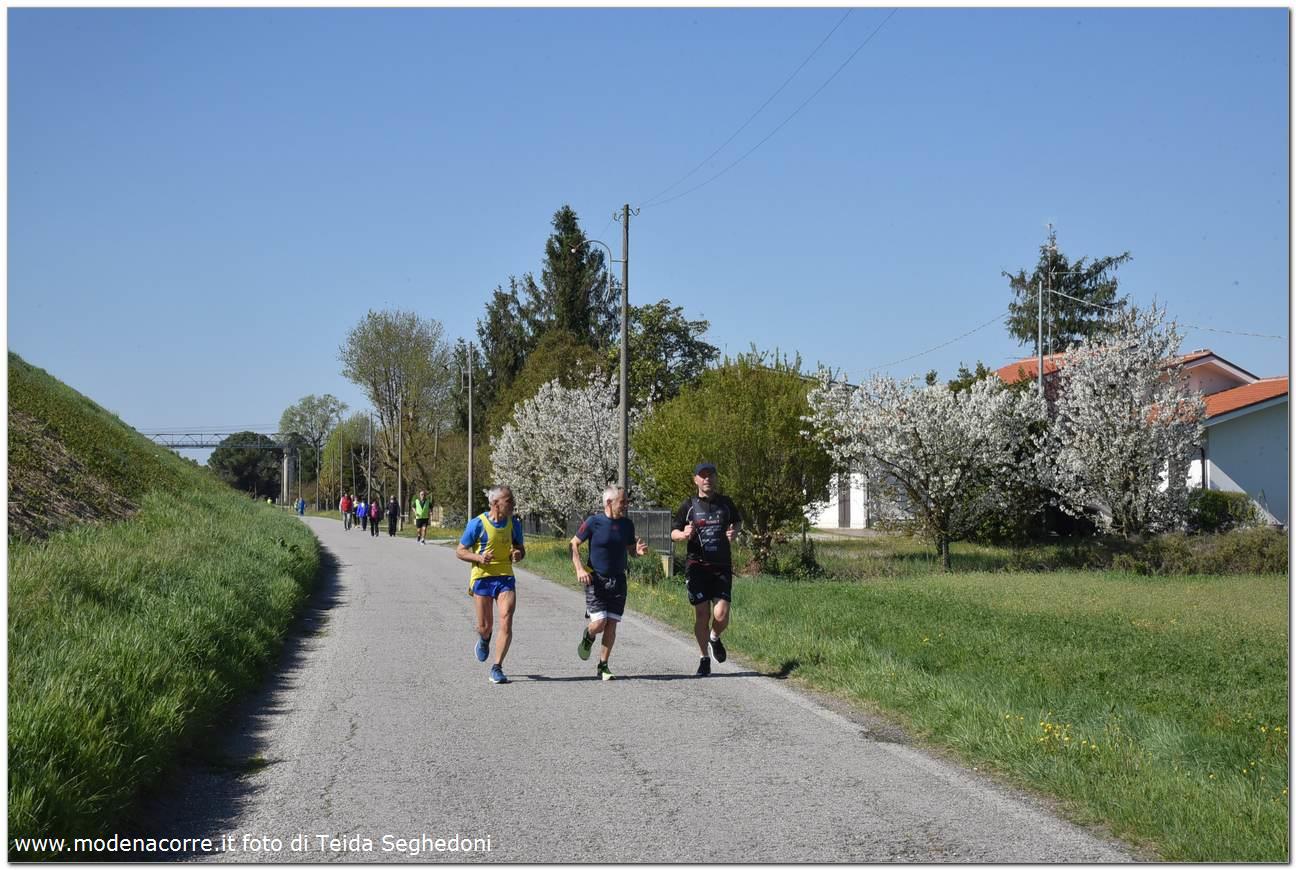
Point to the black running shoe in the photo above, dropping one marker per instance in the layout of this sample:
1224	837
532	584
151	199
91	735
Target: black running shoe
717	648
704	667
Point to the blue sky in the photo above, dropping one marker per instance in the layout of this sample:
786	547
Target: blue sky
203	202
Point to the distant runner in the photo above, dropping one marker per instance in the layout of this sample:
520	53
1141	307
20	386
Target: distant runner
422	512
612	537
709	522
492	542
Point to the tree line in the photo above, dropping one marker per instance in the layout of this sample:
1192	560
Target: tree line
544	368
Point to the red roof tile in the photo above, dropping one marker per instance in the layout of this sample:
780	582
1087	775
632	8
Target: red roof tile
1248	394
1028	369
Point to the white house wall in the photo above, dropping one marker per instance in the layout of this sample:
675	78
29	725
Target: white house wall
1209	379
827	518
1249	454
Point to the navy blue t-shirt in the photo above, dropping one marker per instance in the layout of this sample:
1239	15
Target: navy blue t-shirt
608	539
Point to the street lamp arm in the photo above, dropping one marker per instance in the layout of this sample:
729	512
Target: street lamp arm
597	242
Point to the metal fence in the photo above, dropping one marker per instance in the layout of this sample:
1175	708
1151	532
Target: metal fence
654	526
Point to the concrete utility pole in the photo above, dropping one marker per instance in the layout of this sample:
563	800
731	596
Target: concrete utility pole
624	216
1039	292
470	432
400	456
624	458
369	463
1039	338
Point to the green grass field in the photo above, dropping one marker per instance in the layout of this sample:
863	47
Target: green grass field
1156	707
130	629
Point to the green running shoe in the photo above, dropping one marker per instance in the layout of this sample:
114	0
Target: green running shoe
586	644
604	673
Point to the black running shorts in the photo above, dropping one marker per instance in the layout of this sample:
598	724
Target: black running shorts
708	582
421	523
605	597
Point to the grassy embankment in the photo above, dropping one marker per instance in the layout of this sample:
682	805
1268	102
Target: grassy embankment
144	595
1156	707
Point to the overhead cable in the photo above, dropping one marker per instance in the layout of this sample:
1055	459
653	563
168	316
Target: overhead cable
788	80
995	319
1186	325
795	112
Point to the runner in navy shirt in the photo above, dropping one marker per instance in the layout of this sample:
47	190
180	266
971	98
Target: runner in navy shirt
611	537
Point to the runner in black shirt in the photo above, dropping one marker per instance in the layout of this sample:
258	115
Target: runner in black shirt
708	522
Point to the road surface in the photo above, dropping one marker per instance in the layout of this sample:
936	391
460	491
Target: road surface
379	735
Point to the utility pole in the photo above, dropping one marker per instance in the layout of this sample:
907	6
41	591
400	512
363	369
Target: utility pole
1039	338
1039	292
369	463
623	459
400	456
469	429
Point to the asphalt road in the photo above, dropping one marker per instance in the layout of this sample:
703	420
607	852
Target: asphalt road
380	723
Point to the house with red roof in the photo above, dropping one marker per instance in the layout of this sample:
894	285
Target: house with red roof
1245	445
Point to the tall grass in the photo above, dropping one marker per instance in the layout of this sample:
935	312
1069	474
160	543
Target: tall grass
1155	706
127	640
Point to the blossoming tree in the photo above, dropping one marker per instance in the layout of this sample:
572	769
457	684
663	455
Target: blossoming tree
559	451
1126	427
954	456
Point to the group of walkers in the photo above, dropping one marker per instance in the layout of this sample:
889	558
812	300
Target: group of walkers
369	515
492	543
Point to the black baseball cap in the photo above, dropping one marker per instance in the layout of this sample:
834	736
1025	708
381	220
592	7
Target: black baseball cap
704	466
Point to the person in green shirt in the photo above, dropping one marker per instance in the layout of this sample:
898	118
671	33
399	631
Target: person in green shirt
422	513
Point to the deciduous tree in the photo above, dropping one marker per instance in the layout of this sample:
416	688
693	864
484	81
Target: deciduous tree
1127	425
402	362
248	469
666	352
745	416
560	449
313	417
954	456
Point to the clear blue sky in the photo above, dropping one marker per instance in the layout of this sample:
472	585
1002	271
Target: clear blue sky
203	202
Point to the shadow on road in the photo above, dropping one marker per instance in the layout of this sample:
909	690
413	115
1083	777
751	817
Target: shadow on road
216	778
541	678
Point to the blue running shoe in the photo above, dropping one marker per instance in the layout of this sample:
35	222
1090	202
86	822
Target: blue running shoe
483	649
497	674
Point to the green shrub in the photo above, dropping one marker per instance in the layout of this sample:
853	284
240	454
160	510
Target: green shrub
1261	550
1212	510
646	569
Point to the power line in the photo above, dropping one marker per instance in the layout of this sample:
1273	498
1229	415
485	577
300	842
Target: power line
995	319
1186	325
785	120
1233	332
787	81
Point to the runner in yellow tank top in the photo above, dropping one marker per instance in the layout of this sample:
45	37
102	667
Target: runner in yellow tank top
491	543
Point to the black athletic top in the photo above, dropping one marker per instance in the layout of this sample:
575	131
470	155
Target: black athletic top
710	518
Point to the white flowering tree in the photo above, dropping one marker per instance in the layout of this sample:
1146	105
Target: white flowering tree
955	456
1126	427
560	449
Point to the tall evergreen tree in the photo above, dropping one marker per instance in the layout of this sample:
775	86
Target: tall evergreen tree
1066	321
504	340
576	294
